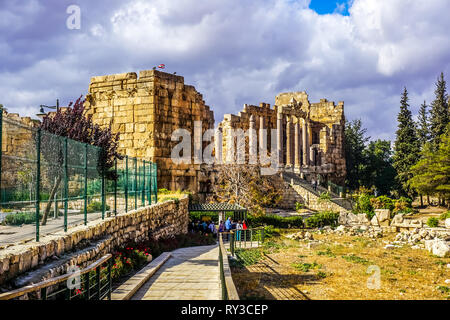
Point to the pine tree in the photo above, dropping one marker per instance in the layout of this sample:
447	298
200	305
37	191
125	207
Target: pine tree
439	112
406	146
431	175
423	128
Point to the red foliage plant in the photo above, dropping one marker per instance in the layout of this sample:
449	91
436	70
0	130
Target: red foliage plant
73	123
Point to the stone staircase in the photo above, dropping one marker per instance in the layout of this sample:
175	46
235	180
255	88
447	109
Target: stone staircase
304	188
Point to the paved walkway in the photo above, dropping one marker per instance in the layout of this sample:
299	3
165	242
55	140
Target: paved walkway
15	234
190	274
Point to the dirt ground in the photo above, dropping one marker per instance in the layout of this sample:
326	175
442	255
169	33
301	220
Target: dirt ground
342	267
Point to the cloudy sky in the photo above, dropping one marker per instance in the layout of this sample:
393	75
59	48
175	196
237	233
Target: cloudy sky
233	51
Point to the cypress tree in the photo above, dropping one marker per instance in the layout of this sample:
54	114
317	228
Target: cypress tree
423	129
406	146
439	114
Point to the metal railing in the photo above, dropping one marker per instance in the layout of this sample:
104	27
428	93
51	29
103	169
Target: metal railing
246	238
38	169
94	283
229	291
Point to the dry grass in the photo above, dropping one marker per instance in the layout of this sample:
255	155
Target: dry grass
340	271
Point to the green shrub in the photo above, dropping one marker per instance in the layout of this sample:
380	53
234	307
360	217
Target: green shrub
96	206
363	204
433	222
403	205
17	219
445	215
382	202
197	215
325	218
164	191
324	196
276	221
167	198
299	206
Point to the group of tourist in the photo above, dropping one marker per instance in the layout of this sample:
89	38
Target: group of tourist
210	227
203	227
233	225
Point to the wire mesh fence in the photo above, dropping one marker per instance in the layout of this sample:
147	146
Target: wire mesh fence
49	182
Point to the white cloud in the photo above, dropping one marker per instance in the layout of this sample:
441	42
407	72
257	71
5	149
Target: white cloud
238	52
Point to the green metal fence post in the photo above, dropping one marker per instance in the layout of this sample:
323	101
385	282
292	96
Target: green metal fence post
126	183
143	183
150	183
156	182
66	184
115	187
38	179
103	195
135	184
85	182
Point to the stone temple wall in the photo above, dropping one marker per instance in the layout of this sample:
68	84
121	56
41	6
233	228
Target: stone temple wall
145	110
320	133
18	144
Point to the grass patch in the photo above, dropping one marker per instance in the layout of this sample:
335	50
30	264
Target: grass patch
355	259
327	253
247	257
305	267
321	275
443	289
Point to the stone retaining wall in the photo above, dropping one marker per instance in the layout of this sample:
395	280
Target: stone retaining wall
158	220
296	193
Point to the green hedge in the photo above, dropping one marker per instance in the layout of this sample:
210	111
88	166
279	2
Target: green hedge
17	219
326	218
276	221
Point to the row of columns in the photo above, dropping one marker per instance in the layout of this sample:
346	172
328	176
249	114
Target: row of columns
299	142
304	143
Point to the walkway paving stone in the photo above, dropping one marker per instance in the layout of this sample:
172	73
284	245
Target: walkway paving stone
190	274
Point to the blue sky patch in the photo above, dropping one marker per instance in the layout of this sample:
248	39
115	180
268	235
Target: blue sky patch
330	6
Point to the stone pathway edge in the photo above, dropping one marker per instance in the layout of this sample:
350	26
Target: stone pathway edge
132	285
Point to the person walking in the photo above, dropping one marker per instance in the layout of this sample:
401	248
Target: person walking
212	227
244	225
228	227
238	230
221	227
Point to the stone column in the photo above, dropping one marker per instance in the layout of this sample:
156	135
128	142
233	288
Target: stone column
252	143
297	144
288	143
312	156
218	144
305	143
263	159
280	139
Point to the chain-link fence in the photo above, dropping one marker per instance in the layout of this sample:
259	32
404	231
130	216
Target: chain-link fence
49	183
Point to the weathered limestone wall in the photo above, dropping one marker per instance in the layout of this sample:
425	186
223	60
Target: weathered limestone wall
145	110
158	220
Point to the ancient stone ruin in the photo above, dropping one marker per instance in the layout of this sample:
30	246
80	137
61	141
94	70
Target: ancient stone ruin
145	110
309	136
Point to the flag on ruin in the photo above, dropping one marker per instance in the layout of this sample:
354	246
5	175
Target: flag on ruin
162	66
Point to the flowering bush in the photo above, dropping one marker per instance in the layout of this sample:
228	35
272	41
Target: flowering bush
127	259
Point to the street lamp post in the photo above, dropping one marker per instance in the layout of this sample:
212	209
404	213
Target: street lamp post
42	113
